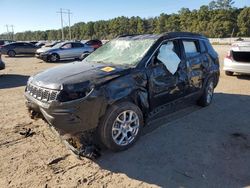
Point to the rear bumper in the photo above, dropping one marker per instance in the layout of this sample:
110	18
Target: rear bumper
69	117
237	67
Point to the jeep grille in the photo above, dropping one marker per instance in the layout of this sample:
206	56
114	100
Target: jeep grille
41	94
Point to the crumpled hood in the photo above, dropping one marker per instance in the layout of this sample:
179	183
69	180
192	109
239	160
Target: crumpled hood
77	72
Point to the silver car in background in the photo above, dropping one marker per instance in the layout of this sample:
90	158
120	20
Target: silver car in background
65	50
238	59
45	48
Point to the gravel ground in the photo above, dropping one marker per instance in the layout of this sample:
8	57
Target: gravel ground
194	147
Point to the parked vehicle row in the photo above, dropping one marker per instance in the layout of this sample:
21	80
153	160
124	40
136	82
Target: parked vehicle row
117	87
52	52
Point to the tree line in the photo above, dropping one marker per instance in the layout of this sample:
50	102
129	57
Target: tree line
218	19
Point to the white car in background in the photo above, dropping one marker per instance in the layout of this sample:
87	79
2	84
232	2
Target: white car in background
238	59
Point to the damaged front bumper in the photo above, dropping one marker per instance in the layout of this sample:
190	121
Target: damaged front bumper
42	56
71	117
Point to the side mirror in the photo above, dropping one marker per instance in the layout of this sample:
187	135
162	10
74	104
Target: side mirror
83	56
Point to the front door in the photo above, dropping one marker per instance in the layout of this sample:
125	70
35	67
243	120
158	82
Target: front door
166	74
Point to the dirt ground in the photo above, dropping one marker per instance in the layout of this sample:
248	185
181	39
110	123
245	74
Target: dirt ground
194	147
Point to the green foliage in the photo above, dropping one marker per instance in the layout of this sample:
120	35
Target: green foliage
218	19
244	22
221	4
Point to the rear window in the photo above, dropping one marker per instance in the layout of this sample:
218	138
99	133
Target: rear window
190	48
202	47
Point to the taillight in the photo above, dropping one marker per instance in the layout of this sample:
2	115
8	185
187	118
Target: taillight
229	55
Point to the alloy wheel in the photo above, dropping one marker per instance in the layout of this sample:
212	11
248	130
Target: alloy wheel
125	128
210	92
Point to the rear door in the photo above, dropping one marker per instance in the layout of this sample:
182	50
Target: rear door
194	62
78	49
167	84
19	48
29	48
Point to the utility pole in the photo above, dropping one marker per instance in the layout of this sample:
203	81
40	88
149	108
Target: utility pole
8	33
61	12
12	29
69	24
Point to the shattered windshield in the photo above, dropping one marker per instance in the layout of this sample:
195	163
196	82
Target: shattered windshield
122	51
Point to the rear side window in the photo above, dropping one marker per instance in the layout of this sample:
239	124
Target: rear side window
202	47
19	44
28	44
1	42
191	48
77	45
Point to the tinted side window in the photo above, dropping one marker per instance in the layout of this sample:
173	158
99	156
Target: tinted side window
191	48
28	45
19	44
77	45
1	42
202	47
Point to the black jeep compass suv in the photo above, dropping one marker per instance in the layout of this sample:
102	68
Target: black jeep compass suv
114	89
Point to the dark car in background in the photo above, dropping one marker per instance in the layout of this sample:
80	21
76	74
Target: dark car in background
3	42
40	44
65	50
94	43
116	88
18	48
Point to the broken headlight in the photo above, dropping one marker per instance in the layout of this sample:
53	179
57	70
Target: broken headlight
73	92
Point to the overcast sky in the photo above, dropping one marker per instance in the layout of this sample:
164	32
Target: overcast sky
41	14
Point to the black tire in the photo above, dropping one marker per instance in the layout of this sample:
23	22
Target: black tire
229	73
107	129
11	53
208	93
54	57
83	55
